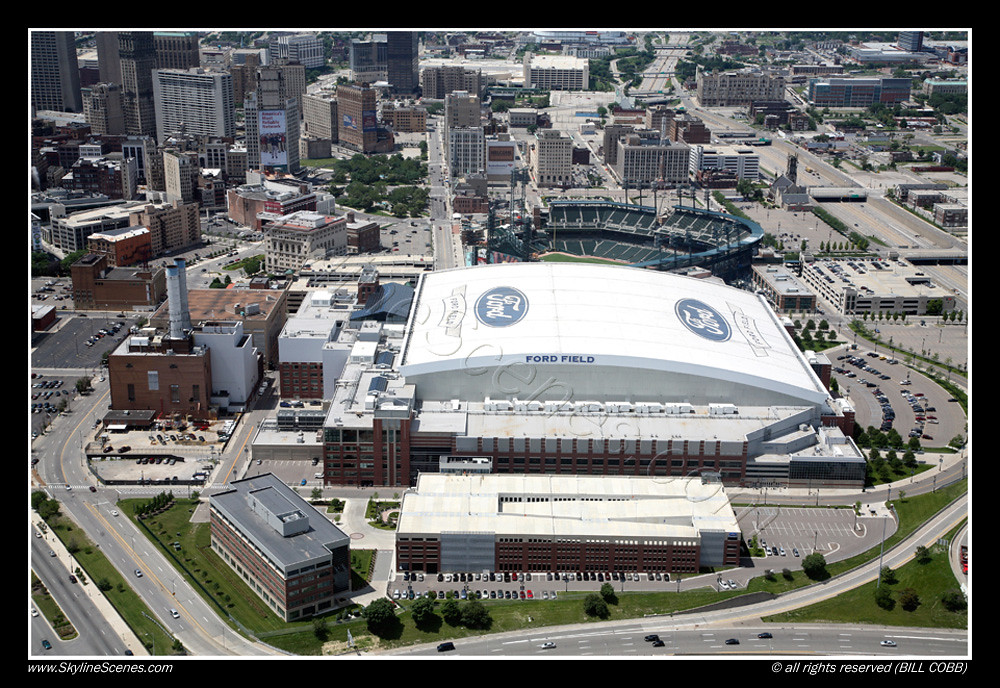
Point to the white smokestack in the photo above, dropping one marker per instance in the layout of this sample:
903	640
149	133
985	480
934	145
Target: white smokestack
180	319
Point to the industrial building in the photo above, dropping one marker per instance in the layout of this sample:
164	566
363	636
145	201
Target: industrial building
190	369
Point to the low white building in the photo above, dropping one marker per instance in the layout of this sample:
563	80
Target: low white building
235	362
739	160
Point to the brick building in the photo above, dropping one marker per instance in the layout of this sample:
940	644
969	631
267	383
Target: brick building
285	550
98	286
478	522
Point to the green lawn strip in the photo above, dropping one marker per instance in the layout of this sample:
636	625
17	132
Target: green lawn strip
565	258
195	561
930	580
122	597
51	610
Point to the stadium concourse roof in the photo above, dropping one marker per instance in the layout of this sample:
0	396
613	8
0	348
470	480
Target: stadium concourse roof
604	320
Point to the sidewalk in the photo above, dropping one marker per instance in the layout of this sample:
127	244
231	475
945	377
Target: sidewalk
364	536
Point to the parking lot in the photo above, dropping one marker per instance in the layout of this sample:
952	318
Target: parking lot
49	395
78	340
889	395
298	473
409	237
835	533
496	585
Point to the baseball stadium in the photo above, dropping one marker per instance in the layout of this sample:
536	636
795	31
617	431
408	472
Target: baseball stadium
636	235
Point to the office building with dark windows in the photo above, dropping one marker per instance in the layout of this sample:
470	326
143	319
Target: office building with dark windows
294	558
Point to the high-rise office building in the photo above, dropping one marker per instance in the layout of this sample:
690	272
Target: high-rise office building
272	134
402	55
272	118
462	109
55	76
303	48
438	81
195	101
108	62
137	54
176	49
357	122
911	41
368	60
319	116
102	109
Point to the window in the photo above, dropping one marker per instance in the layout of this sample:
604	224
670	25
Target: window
153	380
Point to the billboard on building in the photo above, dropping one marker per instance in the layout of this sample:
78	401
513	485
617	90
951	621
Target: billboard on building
273	139
500	157
369	120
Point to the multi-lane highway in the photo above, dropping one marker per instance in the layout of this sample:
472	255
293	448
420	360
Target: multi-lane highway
62	472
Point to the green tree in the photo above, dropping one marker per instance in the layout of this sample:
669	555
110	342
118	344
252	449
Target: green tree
909	599
594	605
379	615
475	615
883	598
450	612
814	566
319	627
422	611
954	600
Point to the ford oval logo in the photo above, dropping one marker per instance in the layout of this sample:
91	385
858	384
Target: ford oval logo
703	320
501	307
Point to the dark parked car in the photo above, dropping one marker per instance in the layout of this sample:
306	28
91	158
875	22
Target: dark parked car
444	647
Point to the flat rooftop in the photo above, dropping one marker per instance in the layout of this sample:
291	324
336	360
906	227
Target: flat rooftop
574	506
315	542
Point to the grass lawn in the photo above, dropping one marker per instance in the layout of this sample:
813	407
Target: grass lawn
566	258
212	578
506	615
858	606
51	610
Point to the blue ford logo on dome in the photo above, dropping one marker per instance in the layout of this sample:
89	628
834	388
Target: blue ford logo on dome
501	307
703	320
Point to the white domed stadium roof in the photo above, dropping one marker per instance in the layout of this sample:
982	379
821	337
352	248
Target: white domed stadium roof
602	332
